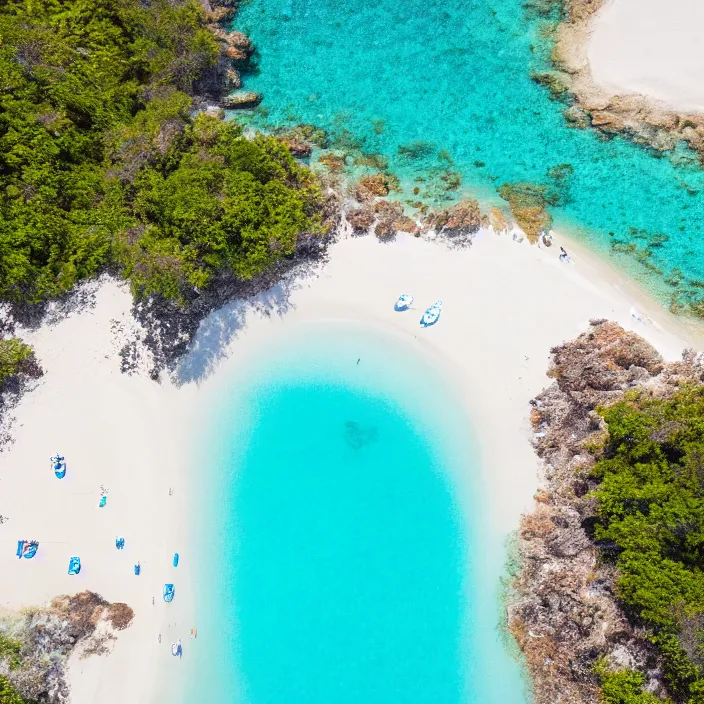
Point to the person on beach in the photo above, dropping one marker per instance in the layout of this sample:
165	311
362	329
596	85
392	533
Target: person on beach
564	257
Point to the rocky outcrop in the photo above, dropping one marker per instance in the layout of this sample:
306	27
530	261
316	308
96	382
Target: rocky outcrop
361	219
461	219
563	611
38	642
241	100
643	119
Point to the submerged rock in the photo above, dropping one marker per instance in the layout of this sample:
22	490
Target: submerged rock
242	99
299	148
373	186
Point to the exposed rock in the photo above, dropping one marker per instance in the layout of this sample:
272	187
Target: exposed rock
406	224
463	218
498	220
233	80
242	99
564	612
48	636
232	52
389	213
239	40
361	219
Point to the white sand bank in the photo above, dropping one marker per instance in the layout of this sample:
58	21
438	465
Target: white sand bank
118	431
650	47
506	304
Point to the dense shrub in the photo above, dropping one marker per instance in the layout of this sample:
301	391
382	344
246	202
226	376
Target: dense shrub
102	164
651	510
14	354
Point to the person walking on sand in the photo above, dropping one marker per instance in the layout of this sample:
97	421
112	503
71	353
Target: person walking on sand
564	257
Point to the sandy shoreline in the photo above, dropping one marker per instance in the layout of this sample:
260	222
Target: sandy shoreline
652	48
506	304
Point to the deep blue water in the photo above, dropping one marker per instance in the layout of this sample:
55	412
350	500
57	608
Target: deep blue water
450	79
345	552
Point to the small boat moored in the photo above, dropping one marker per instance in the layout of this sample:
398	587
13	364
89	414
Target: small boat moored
74	565
168	593
58	464
431	315
404	302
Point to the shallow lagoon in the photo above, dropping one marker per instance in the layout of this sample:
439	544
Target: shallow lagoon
344	554
454	76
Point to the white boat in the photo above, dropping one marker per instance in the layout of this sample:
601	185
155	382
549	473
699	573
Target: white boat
431	315
404	302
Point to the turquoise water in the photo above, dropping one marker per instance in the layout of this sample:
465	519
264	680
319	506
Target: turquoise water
345	555
449	81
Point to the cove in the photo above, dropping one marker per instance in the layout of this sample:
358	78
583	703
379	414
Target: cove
343	554
438	85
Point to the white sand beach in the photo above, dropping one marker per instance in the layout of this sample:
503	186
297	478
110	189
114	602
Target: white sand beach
650	47
505	305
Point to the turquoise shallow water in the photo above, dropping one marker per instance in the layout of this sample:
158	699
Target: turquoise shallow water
344	550
453	75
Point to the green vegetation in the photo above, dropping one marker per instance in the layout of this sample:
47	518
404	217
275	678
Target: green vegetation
13	356
102	163
624	687
8	694
651	516
10	650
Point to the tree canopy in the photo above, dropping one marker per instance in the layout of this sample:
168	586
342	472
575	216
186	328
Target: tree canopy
651	512
102	162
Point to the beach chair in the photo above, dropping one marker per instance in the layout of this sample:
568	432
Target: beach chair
175	559
137	569
120	543
74	565
168	593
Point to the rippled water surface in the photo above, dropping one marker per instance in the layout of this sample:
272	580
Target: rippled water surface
438	85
